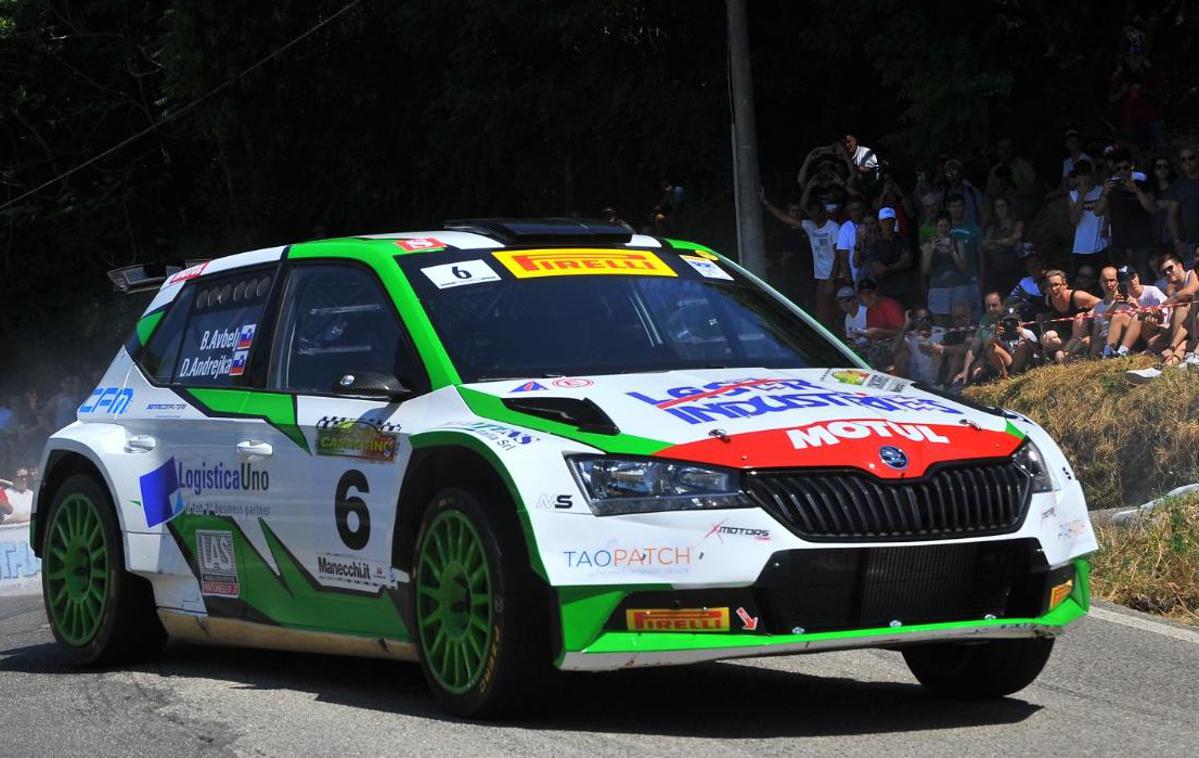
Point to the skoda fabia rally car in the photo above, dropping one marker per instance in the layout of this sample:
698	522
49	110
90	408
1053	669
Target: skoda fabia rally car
506	448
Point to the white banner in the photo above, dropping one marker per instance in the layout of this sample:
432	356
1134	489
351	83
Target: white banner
20	569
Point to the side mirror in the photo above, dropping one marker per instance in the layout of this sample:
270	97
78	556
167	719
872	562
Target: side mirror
373	385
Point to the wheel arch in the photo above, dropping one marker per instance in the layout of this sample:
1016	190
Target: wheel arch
61	463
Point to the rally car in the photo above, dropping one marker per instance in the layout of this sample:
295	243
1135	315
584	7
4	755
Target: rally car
509	447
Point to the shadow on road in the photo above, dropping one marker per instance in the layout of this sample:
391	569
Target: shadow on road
720	700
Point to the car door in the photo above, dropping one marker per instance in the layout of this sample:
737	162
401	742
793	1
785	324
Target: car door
335	320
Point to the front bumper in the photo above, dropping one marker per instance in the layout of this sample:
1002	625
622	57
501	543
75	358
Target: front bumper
593	640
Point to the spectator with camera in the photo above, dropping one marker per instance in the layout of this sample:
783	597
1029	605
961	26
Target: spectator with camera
888	260
917	351
1137	320
975	208
1010	349
1129	205
975	367
818	179
944	271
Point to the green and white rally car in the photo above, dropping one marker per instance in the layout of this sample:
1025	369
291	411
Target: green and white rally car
513	446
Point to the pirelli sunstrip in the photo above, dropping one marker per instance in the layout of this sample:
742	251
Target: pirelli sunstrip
505	448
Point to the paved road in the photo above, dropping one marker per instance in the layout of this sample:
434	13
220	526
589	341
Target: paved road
1117	683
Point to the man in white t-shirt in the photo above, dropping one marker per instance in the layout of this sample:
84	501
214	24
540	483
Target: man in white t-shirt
1090	239
822	233
1130	328
17	505
847	238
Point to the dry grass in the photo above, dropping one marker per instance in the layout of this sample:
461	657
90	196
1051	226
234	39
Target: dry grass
1154	566
1128	443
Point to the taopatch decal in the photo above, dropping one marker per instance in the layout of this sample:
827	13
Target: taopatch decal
532	264
746	398
888	449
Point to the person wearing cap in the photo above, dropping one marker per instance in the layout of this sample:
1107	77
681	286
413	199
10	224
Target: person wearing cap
888	260
870	321
1090	241
17	506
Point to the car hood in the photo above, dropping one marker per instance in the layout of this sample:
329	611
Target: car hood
763	418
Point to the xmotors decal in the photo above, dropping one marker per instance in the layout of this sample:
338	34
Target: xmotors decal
503	437
721	530
162	499
706	267
419	244
356	441
111	400
746	398
450	275
532	264
853	442
677	619
217	563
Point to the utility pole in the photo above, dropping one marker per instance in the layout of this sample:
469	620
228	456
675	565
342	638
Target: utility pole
746	180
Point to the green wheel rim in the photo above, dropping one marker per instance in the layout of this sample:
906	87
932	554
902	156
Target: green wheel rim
453	601
77	567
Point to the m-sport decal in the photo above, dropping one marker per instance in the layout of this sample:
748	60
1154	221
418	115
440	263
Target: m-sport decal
292	597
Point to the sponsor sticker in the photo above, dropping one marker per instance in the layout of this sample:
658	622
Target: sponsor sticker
530	387
111	400
450	275
162	499
416	244
503	437
706	267
647	559
861	378
348	569
548	502
188	273
353	440
218	563
532	264
722	529
572	383
677	619
832	432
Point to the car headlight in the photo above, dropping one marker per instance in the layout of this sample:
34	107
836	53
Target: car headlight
616	485
1029	458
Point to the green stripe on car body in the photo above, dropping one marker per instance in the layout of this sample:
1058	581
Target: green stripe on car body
276	408
379	255
291	597
493	408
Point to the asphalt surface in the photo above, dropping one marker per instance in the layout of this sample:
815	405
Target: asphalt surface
1118	682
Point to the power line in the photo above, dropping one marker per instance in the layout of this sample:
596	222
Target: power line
176	114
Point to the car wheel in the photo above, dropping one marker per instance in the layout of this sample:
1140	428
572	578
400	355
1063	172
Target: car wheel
481	614
98	612
978	671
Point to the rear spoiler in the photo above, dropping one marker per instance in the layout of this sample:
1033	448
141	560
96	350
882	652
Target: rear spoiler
144	277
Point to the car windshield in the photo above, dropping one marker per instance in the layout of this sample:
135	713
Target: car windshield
497	326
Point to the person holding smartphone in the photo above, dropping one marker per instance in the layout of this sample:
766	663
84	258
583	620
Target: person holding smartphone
943	269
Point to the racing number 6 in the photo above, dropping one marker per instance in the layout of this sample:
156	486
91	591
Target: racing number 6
345	504
460	273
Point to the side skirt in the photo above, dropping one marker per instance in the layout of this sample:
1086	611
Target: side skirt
238	633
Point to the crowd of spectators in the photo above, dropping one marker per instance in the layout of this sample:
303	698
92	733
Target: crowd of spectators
27	418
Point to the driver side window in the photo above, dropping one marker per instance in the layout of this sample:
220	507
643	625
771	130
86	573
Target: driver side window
337	320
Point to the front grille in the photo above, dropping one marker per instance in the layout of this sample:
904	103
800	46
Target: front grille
955	500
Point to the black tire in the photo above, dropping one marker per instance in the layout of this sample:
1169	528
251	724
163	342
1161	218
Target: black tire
126	627
978	671
517	655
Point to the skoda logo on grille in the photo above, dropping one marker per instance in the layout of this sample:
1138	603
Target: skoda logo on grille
893	457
